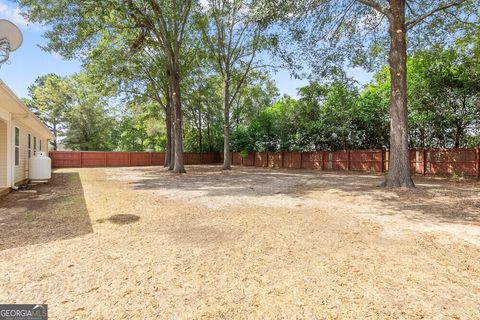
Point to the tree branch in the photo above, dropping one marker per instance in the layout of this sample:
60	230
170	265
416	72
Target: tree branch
375	5
412	23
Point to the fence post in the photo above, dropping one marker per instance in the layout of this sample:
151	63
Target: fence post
478	163
348	160
301	160
81	159
381	160
323	156
424	162
387	160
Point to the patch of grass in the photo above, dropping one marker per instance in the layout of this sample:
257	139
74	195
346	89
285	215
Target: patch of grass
458	176
73	178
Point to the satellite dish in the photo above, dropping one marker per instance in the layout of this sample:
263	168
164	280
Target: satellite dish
10	39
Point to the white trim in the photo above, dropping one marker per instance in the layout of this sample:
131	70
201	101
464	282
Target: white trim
10	171
10	154
26	113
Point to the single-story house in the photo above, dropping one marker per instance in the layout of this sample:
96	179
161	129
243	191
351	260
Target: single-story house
22	134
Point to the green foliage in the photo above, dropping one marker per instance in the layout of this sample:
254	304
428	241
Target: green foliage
50	99
322	36
320	119
90	126
139	128
118	101
371	119
444	96
244	153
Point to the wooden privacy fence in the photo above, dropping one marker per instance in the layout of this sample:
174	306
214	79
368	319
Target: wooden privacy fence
424	161
82	159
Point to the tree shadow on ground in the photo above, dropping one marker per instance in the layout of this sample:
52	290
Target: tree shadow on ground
44	213
436	200
439	200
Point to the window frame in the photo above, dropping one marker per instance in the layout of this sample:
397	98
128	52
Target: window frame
17	146
29	146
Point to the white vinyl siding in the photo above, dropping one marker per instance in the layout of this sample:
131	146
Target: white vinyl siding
22	167
3	154
21	171
14	114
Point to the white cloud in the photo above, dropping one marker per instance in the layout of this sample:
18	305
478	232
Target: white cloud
13	14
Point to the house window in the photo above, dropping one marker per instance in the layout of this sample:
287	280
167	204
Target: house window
17	146
34	145
40	144
29	145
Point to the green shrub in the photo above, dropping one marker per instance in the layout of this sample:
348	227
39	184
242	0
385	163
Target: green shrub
244	153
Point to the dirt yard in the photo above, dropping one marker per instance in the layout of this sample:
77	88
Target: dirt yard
141	243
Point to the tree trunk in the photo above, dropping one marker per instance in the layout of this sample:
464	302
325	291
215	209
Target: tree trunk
178	166
208	136
200	130
226	125
133	140
458	134
168	125
54	142
399	166
172	141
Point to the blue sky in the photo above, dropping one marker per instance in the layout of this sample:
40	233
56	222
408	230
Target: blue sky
29	61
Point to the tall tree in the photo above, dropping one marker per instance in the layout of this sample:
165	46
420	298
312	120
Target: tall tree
139	73
331	32
233	40
166	23
50	97
88	121
160	24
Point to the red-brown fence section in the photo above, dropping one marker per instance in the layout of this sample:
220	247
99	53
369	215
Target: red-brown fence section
424	161
432	162
81	159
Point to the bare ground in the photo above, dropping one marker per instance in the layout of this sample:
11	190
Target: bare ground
141	243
